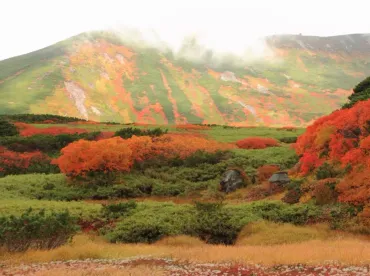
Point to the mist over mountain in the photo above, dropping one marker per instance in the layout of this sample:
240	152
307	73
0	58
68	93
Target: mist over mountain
134	76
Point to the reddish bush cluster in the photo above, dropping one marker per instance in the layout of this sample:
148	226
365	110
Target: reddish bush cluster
341	139
288	128
266	171
12	162
257	143
117	154
29	130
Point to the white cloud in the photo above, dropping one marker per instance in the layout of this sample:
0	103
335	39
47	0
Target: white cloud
222	25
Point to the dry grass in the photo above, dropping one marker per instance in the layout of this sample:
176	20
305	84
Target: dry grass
269	233
344	250
181	240
126	271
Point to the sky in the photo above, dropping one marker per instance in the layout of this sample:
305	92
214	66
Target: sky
229	25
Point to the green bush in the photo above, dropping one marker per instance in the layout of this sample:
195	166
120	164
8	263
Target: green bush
213	224
36	230
113	211
39	118
7	129
327	171
288	140
44	143
128	132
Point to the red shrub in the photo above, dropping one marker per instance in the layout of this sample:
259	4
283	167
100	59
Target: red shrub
266	171
288	128
257	143
30	130
12	162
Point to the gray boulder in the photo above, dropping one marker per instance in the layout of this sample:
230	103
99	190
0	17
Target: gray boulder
231	180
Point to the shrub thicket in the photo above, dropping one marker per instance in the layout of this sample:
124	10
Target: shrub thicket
36	230
128	132
7	129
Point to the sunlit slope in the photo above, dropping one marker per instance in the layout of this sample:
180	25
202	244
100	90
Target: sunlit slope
97	76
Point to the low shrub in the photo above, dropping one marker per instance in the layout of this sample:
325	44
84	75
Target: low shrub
271	233
36	230
266	171
324	191
7	129
114	211
257	143
327	170
128	132
292	196
213	224
288	140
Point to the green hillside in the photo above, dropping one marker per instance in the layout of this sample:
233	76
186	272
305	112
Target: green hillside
98	76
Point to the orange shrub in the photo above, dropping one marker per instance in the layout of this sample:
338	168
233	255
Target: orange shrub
257	143
170	145
81	157
355	187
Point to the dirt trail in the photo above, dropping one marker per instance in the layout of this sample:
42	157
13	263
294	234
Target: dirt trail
143	265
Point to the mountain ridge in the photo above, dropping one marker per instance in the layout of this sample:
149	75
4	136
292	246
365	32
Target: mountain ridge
98	76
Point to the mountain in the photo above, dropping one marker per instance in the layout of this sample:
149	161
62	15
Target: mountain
100	76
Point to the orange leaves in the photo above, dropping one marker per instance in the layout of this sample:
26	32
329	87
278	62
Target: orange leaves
342	136
172	145
29	130
117	154
257	143
355	187
107	155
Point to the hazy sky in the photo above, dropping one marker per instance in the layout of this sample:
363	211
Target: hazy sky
27	25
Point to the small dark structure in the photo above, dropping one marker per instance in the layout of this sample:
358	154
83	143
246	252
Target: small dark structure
231	180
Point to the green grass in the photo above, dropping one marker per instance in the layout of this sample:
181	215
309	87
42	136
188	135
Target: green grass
234	134
19	206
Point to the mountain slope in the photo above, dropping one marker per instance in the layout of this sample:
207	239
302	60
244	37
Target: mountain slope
97	76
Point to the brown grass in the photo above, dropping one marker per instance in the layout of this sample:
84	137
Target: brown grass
126	271
181	240
350	251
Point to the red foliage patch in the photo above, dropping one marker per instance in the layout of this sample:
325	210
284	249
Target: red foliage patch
10	159
117	154
257	143
266	171
29	130
105	135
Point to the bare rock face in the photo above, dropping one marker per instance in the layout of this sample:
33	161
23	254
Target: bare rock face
77	95
95	110
229	76
120	58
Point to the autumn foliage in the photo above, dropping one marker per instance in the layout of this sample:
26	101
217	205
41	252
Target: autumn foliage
266	171
117	154
342	139
81	157
29	130
257	143
14	161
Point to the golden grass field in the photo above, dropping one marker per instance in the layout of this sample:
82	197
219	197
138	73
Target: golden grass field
261	243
